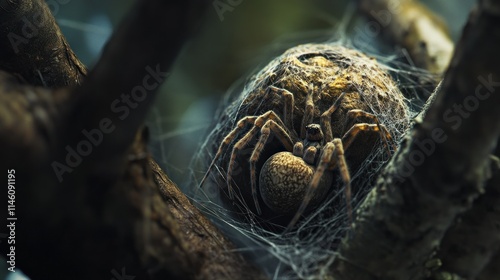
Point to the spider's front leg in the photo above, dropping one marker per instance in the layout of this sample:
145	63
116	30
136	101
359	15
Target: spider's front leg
257	122
226	141
268	122
258	125
282	135
331	156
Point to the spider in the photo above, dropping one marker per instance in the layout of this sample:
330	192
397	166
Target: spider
328	119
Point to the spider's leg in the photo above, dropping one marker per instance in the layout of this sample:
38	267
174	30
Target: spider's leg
227	140
325	158
383	132
354	131
326	118
339	158
265	131
308	115
332	152
245	140
288	105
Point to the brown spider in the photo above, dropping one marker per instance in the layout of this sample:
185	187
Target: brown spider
300	176
290	180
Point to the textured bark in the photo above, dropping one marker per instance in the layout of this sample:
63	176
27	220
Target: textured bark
216	256
33	47
407	214
474	239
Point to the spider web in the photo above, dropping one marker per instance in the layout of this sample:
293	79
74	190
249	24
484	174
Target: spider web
305	252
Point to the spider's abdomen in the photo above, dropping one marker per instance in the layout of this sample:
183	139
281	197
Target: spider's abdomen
284	180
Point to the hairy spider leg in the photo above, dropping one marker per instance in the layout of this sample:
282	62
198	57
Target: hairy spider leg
332	155
288	105
308	115
326	126
226	141
265	131
344	173
287	111
354	131
257	125
346	141
383	132
326	118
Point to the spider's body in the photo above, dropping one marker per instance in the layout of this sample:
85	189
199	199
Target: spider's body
285	149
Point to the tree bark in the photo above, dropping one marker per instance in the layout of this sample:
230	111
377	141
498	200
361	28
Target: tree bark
439	170
33	47
474	238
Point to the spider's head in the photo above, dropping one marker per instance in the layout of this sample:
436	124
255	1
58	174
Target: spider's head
314	133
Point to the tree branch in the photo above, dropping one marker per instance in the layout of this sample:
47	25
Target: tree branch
421	35
33	47
122	86
411	25
134	221
474	239
440	168
217	257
